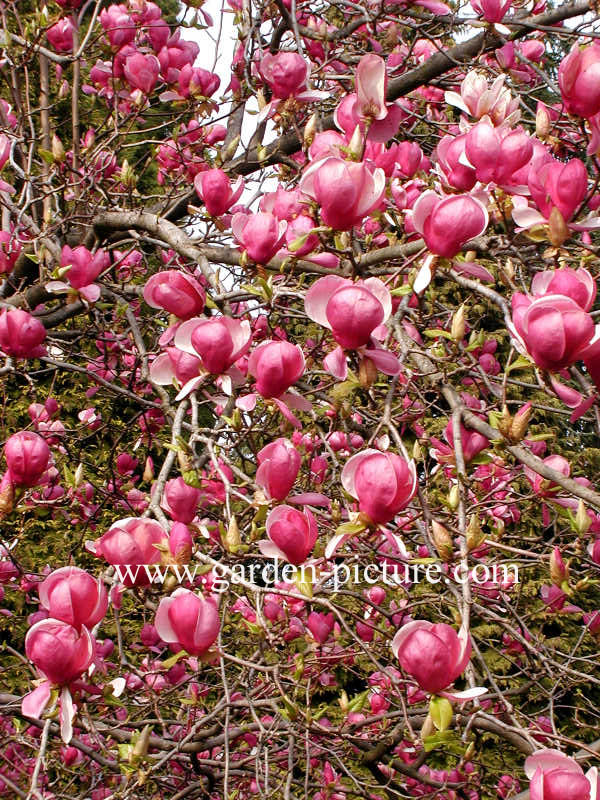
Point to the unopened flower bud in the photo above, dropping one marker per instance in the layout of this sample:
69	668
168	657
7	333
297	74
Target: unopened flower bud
454	497
58	151
232	540
582	519
559	571
557	228
148	470
457	329
309	130
520	423
542	122
355	146
367	373
475	536
442	540
505	422
7	496
140	748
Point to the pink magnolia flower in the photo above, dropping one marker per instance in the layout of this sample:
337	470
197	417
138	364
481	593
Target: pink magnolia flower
81	268
131	541
27	456
579	80
176	292
142	71
261	235
451	157
189	621
284	73
541	486
558	185
118	25
433	654
74	596
553	329
292	534
278	466
215	191
10	249
276	365
320	625
371	84
497	153
217	342
346	191
383	483
180	501
352	311
491	10
59	651
60	35
555	776
472	442
181	543
577	284
355	313
448	223
21	334
175	364
477	100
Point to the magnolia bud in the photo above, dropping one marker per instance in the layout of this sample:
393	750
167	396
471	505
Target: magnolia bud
260	99
355	146
428	727
140	748
442	541
309	130
343	701
78	475
454	497
367	373
58	151
557	227
417	452
127	176
7	496
542	122
457	329
148	470
232	540
520	423
559	571
228	153
582	519
505	422
475	536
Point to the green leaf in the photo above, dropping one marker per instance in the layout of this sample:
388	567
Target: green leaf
433	333
350	528
522	362
445	739
170	662
441	712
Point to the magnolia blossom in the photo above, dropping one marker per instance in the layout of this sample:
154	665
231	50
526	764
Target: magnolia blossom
21	334
260	235
577	284
383	483
356	314
286	75
448	223
477	100
132	541
579	80
491	10
142	71
217	343
27	456
74	596
555	776
345	191
216	192
292	534
434	655
278	466
188	621
176	292
180	501
553	329
81	268
497	153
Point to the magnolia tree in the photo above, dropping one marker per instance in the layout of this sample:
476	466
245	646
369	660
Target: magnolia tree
300	399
